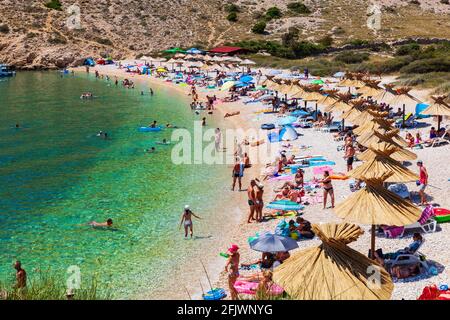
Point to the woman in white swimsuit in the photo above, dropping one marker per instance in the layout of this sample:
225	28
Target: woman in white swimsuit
186	220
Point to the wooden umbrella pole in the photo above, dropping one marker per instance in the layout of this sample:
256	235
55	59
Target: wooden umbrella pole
316	112
403	118
372	243
439	122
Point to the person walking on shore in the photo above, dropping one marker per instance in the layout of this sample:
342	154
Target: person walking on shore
423	182
251	200
186	219
237	174
232	269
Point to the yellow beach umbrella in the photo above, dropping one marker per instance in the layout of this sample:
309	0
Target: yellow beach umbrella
372	125
332	270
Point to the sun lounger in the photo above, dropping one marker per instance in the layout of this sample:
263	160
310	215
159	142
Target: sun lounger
426	223
408	258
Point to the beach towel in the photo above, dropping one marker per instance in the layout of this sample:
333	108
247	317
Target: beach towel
321	170
249	287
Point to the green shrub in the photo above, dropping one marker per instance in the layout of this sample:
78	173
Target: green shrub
259	27
232	16
273	13
4	28
352	57
45	286
232	8
305	48
427	65
326	41
298	7
54	4
407	49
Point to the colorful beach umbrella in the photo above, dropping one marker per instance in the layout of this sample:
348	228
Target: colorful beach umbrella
227	85
269	242
333	270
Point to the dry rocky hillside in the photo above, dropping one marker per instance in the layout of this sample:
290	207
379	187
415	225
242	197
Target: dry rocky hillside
34	36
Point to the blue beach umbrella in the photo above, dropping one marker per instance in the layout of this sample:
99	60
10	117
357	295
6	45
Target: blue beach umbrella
285	205
246	79
286	120
269	242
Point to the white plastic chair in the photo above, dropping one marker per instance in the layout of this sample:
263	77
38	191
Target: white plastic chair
428	227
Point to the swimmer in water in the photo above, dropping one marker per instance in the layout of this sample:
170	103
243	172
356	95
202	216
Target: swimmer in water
108	223
17	125
151	150
151	91
153	125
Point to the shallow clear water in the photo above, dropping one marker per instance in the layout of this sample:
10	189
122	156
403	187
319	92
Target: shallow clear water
56	175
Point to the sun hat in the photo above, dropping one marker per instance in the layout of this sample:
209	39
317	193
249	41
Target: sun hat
233	248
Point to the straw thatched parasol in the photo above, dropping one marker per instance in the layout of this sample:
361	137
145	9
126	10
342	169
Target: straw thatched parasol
379	134
438	108
333	271
394	150
374	124
247	62
381	164
386	94
374	205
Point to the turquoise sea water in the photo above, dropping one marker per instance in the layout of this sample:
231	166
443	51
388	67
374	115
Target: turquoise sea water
56	175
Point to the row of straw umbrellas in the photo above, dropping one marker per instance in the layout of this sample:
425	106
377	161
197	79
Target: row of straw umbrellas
366	88
334	271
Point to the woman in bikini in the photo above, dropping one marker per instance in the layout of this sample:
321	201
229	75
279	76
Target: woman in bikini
259	203
232	268
186	218
327	189
299	183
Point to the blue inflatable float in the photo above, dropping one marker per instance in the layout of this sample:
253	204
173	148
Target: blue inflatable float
149	129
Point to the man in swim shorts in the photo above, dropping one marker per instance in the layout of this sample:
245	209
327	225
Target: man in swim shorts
237	174
186	219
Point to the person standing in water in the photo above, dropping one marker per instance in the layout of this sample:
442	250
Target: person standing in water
203	121
151	92
237	174
186	219
21	275
218	139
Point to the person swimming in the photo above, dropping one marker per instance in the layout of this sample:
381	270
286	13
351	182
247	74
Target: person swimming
153	125
151	150
107	223
102	134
